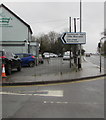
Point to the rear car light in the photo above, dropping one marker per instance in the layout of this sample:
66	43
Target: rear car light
33	56
2	56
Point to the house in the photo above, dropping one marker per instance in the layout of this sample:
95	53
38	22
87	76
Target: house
15	34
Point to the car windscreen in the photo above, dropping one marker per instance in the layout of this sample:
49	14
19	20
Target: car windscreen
27	55
20	56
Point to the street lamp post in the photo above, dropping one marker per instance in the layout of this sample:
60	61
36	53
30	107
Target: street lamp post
79	64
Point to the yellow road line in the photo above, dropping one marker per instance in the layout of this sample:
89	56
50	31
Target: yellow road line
51	84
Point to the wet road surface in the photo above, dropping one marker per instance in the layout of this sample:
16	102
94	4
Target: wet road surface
73	100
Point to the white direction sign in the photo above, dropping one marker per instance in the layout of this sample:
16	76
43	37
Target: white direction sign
74	38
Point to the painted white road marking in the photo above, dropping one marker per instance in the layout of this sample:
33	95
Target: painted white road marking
64	102
45	102
52	93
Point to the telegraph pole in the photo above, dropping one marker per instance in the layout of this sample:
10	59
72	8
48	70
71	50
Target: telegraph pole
79	59
80	16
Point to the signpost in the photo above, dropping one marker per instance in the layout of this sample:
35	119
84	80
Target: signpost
74	38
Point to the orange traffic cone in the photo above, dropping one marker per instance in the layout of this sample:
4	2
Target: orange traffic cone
3	71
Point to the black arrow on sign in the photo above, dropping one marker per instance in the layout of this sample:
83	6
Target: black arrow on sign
63	38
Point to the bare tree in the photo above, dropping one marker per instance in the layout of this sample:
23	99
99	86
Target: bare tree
33	39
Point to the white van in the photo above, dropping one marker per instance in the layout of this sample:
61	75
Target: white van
66	55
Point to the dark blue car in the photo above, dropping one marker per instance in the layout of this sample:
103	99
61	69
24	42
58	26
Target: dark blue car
27	59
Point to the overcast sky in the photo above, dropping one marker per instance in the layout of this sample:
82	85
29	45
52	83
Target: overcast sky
54	16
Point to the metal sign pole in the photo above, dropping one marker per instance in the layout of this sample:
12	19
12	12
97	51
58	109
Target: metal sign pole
70	45
75	47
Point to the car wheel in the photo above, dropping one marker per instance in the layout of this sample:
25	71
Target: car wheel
19	67
9	69
42	62
31	64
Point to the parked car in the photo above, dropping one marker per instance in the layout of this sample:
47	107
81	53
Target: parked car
53	55
88	54
27	59
66	57
60	55
46	55
11	61
40	59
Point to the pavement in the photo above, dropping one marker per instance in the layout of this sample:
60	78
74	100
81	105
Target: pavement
89	70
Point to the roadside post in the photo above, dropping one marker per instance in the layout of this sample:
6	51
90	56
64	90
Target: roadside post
100	46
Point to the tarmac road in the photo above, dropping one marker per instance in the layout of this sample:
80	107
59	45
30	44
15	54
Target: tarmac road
95	59
81	99
54	67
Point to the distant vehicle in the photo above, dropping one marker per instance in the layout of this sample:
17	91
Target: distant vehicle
40	59
11	61
66	55
46	55
53	55
60	55
27	59
88	54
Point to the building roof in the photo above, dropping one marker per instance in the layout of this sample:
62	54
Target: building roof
2	5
